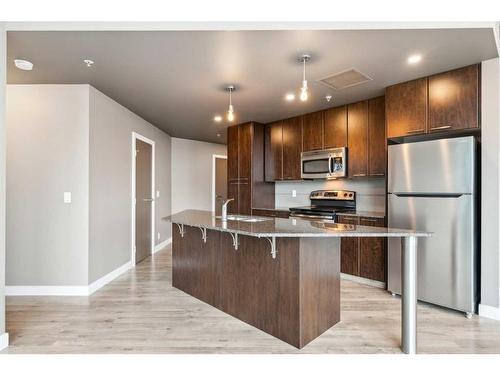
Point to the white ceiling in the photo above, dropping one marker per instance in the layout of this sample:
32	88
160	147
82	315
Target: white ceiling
175	79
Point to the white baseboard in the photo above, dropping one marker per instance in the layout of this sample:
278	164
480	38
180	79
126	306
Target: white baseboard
63	290
489	312
4	340
161	245
46	290
99	283
362	280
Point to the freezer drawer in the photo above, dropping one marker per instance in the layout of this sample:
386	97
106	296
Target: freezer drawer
446	261
439	166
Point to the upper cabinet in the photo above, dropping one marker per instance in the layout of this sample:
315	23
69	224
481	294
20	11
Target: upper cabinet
335	127
312	131
376	137
357	140
454	99
292	148
274	151
442	102
405	109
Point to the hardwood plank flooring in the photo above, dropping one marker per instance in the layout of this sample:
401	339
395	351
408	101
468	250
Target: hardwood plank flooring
140	312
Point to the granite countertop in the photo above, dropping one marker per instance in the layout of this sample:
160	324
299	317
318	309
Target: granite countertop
292	227
377	214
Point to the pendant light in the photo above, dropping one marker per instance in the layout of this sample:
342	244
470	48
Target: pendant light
230	111
304	94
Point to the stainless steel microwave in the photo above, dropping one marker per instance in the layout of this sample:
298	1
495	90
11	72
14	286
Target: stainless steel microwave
328	164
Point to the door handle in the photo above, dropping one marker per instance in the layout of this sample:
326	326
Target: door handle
442	127
148	200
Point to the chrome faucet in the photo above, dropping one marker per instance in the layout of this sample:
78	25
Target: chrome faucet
224	208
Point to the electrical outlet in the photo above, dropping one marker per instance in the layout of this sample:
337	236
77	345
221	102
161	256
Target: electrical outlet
158	235
67	197
294	193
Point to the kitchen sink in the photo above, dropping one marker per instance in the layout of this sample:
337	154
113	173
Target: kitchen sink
246	219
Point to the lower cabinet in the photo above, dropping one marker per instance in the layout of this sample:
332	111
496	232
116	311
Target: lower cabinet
270	213
363	257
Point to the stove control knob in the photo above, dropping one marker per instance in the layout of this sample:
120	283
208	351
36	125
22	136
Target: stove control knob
350	195
345	194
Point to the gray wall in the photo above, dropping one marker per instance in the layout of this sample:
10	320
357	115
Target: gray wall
3	55
47	154
490	122
192	173
111	127
370	192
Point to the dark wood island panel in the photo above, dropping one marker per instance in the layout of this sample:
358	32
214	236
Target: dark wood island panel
295	297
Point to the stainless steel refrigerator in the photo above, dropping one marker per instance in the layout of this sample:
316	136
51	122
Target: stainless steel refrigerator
431	187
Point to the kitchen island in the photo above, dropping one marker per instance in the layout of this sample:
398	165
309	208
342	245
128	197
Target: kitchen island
279	275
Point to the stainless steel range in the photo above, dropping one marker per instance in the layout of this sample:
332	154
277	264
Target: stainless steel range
325	204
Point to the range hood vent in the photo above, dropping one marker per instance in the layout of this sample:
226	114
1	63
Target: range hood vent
347	78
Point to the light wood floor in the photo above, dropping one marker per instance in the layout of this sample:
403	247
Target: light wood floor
140	312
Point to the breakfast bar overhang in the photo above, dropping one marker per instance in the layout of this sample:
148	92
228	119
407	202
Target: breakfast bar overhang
279	275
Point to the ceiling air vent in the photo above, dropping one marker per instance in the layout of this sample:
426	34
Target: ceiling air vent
347	78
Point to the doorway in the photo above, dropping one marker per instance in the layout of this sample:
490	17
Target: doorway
143	202
219	182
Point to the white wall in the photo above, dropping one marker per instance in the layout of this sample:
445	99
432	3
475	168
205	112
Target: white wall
111	127
490	225
370	193
3	56
47	154
192	173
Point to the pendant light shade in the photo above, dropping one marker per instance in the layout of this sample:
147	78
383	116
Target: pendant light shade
230	111
304	91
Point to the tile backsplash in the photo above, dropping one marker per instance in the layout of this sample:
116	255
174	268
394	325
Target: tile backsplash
370	193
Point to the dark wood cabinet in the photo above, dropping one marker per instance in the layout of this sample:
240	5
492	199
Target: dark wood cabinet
357	139
454	99
292	148
372	253
274	151
376	137
335	127
364	257
246	182
349	254
312	131
406	108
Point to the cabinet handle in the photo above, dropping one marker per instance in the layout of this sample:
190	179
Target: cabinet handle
415	131
359	175
289	178
377	174
370	220
442	127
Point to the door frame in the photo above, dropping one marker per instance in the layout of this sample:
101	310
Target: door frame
214	159
135	137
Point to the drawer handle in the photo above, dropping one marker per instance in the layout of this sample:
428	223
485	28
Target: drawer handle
377	174
359	175
368	219
415	131
442	127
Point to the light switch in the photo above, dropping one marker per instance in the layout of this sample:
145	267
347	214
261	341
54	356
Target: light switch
294	193
67	197
157	193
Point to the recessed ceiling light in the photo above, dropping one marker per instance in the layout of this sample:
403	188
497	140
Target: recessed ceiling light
218	135
23	64
88	62
217	118
290	97
413	59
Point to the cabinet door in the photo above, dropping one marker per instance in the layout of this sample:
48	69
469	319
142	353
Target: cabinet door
453	99
335	127
245	151
376	137
372	254
233	192
349	249
273	143
357	139
406	108
312	131
232	153
292	148
244	198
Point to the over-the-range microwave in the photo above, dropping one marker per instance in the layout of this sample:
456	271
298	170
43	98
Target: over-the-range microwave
329	164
